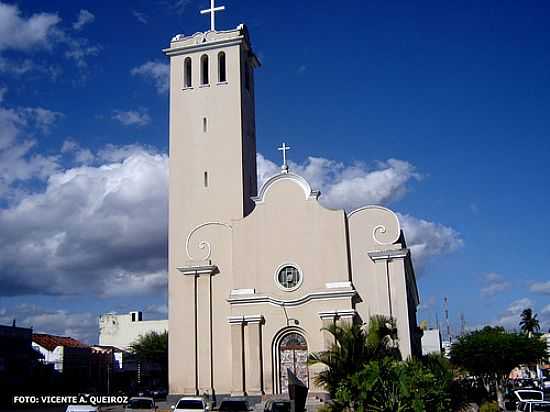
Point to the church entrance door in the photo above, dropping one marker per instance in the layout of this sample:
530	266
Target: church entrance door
293	355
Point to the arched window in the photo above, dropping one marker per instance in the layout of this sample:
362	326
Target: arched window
187	81
222	74
204	70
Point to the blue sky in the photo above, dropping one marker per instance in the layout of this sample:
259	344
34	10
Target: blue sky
439	111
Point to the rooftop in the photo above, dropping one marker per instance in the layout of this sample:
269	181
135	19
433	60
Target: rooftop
50	342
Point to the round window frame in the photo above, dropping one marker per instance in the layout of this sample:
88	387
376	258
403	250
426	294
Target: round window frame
281	267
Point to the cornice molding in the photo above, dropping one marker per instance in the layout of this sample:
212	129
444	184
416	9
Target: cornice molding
324	295
198	270
389	254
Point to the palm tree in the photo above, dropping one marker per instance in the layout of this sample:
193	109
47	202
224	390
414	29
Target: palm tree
353	348
529	324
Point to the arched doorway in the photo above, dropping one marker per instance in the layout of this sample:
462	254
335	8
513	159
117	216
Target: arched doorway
292	354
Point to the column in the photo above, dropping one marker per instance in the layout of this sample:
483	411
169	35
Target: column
254	362
237	355
327	319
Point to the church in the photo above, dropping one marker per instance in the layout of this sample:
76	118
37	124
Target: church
256	273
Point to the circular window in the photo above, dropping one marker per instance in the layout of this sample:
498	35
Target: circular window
288	277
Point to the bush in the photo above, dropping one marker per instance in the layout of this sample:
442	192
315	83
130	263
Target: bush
489	407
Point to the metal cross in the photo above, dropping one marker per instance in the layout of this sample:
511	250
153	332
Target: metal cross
284	149
212	10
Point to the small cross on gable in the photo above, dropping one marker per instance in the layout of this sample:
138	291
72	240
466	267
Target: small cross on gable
284	148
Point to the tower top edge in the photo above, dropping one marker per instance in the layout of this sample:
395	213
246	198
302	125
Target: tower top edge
208	39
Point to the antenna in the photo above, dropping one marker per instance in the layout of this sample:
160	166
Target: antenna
449	336
462	324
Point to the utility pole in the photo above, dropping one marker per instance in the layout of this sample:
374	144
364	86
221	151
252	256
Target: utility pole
462	324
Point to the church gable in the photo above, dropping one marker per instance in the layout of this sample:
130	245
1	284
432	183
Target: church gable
289	227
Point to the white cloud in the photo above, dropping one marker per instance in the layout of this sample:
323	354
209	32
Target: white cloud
17	162
351	186
132	117
80	155
141	17
42	118
79	49
427	239
540	287
510	318
19	67
84	18
39	32
20	33
82	326
158	72
98	229
493	284
158	311
100	225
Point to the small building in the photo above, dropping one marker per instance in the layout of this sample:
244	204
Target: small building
16	358
121	331
69	357
431	342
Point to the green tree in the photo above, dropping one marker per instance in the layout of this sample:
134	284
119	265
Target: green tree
529	323
353	348
152	347
390	385
491	353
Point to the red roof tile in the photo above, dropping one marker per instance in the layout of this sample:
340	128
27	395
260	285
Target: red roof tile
50	342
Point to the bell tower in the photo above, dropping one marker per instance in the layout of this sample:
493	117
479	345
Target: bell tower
212	180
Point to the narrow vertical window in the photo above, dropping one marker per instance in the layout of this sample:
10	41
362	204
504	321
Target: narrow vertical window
204	124
204	70
222	74
187	72
205	179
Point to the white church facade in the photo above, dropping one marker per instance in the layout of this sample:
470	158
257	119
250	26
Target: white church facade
254	275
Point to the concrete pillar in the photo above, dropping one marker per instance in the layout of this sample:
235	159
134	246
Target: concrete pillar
254	364
327	319
237	356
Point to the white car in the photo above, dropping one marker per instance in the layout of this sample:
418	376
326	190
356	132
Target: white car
191	404
525	395
141	404
81	408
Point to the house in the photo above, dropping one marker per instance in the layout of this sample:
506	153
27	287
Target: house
70	358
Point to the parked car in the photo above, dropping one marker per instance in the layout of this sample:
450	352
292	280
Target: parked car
277	405
81	408
159	393
141	404
533	406
234	405
190	404
513	400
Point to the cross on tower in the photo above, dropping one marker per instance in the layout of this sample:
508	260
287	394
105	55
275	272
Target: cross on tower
212	10
284	148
